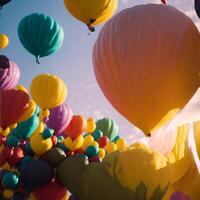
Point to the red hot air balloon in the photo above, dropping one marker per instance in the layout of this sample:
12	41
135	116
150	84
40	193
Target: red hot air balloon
76	127
59	118
9	73
13	103
51	191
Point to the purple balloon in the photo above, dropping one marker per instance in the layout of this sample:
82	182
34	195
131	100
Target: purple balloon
59	118
179	196
9	73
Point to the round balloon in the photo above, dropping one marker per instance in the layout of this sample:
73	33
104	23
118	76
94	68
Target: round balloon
4	41
25	129
76	127
48	91
41	174
92	13
53	190
9	73
40	34
13	104
59	118
142	70
108	127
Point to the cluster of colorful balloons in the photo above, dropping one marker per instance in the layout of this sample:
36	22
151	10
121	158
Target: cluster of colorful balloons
38	134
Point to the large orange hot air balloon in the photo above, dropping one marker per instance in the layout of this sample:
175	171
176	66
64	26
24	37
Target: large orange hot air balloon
146	61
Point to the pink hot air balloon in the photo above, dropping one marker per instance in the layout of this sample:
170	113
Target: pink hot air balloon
179	196
59	118
13	103
9	73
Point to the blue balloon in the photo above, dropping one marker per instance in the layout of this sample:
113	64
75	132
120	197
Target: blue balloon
97	134
92	151
12	141
25	129
40	34
10	180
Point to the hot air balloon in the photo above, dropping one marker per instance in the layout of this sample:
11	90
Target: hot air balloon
92	13
48	91
197	7
59	118
13	103
76	127
41	174
40	34
9	73
117	176
108	127
25	129
53	190
4	41
142	70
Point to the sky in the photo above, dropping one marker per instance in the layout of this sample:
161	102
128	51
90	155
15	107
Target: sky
73	62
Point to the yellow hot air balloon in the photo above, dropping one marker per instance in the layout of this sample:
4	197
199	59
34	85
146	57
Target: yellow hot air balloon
48	91
4	41
91	13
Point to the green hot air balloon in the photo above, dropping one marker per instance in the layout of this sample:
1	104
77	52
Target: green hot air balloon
40	34
108	127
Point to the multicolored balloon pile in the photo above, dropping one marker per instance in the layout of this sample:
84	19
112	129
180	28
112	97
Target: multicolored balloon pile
34	141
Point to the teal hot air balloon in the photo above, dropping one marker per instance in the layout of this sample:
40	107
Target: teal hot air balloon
40	34
108	127
25	129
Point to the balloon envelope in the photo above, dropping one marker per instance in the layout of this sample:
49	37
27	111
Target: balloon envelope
9	73
48	91
50	191
25	129
4	41
40	34
13	103
36	173
77	126
92	12
142	70
59	118
108	127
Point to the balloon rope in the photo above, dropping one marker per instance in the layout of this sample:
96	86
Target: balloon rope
37	59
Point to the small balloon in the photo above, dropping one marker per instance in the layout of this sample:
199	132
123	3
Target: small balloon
76	127
4	41
59	118
9	73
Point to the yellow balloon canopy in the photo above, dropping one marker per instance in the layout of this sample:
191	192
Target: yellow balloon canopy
90	12
4	41
48	91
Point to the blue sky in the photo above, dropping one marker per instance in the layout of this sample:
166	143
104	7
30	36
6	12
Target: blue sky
73	62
